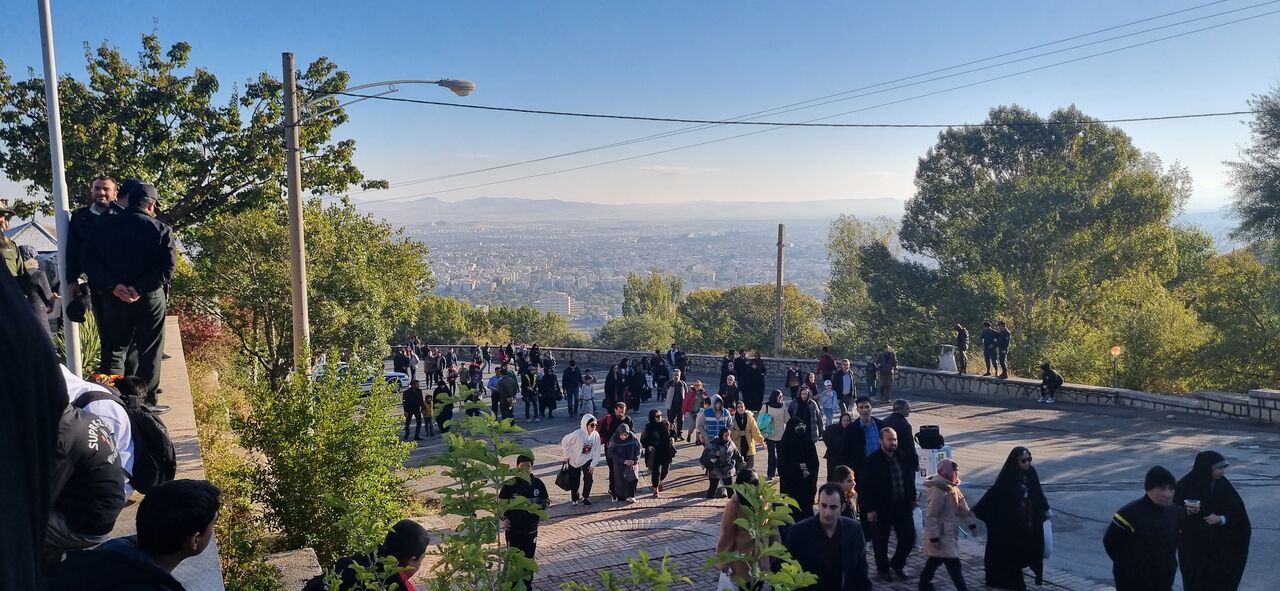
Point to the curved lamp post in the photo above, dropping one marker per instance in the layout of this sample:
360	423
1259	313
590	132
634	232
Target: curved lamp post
293	169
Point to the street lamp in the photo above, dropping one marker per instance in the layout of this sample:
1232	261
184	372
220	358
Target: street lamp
293	170
1116	350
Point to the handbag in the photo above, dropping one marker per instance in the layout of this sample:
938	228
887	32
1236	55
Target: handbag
725	583
630	473
930	437
764	420
567	478
1048	539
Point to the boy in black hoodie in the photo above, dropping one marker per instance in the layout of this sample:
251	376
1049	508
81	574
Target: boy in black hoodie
521	525
175	522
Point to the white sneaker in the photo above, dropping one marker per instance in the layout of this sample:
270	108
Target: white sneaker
574	503
1048	401
1040	399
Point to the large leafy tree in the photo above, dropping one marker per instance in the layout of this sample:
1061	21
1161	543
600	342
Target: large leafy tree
1240	299
1050	208
1256	176
241	271
657	295
638	332
742	318
164	120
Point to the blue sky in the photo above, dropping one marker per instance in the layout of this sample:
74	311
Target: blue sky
707	60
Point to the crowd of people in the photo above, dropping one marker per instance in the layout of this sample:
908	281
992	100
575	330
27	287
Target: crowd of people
863	491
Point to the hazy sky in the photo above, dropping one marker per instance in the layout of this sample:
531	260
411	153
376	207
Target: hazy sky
707	60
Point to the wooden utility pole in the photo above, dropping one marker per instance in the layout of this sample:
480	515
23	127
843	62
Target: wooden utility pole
297	228
777	315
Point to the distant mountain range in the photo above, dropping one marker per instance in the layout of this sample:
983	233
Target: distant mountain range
429	210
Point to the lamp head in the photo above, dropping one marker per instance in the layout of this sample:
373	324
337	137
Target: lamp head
459	87
1116	350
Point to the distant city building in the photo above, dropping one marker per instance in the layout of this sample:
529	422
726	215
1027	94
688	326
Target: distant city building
558	302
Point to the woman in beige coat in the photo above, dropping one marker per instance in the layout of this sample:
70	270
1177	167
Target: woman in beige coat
947	512
745	433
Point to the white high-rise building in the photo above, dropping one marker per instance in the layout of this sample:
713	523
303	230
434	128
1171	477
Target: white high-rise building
558	302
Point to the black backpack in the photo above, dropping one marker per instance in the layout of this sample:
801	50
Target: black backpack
930	437
154	460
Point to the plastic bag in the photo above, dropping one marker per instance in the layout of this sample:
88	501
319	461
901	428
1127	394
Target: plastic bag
917	517
726	582
1048	539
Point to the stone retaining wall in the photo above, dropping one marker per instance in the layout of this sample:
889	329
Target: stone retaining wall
1255	406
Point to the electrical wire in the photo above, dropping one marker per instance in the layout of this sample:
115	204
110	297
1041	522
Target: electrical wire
800	104
768	129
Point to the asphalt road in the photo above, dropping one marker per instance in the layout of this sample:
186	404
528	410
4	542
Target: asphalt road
1091	461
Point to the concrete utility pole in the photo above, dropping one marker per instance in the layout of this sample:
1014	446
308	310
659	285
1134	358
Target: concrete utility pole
297	230
777	315
62	217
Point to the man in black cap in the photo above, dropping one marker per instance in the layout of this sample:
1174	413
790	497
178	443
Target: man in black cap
143	257
522	525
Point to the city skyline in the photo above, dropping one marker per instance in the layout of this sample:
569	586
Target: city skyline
712	60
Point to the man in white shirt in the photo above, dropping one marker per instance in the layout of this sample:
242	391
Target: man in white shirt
111	413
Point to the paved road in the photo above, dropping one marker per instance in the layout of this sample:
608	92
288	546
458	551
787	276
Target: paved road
1091	461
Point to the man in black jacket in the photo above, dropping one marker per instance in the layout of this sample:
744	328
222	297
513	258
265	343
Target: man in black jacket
866	434
888	500
1142	539
406	543
82	225
522	525
845	382
988	337
175	522
143	257
830	546
897	420
571	381
1003	337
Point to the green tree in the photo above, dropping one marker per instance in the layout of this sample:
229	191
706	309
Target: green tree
845	309
655	295
643	332
703	324
742	317
160	119
1240	299
240	271
331	474
1051	208
1256	176
527	325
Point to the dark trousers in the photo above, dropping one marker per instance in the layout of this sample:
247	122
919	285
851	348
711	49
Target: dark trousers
677	420
962	361
886	386
897	521
585	479
658	473
989	356
530	402
953	569
771	448
140	323
1002	356
714	483
1048	391
526	542
411	413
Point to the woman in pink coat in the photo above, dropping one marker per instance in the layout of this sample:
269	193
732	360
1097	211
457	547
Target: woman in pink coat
947	512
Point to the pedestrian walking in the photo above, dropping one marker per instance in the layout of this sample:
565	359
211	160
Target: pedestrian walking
659	443
521	525
839	443
624	456
581	451
889	497
887	365
529	392
1214	546
1014	509
693	405
871	375
548	393
571	384
829	400
810	382
844	477
826	365
713	419
674	392
806	409
609	427
799	470
412	402
830	546
794	379
588	391
735	538
865	437
773	423
844	381
745	433
730	393
1142	538
720	458
945	514
897	420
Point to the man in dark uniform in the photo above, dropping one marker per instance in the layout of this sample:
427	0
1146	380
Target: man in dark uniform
143	259
1142	539
988	338
962	349
522	525
83	221
11	260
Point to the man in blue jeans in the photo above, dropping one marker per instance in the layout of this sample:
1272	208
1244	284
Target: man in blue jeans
571	383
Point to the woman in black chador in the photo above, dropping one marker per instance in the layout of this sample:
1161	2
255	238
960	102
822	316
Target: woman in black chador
1215	536
1014	510
799	468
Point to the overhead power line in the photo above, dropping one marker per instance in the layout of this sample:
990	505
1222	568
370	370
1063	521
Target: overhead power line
789	123
814	102
769	129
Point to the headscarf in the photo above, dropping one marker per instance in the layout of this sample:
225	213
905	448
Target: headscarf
796	437
947	470
1195	484
775	399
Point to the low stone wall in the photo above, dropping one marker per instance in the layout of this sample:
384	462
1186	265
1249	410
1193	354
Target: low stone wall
1255	406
